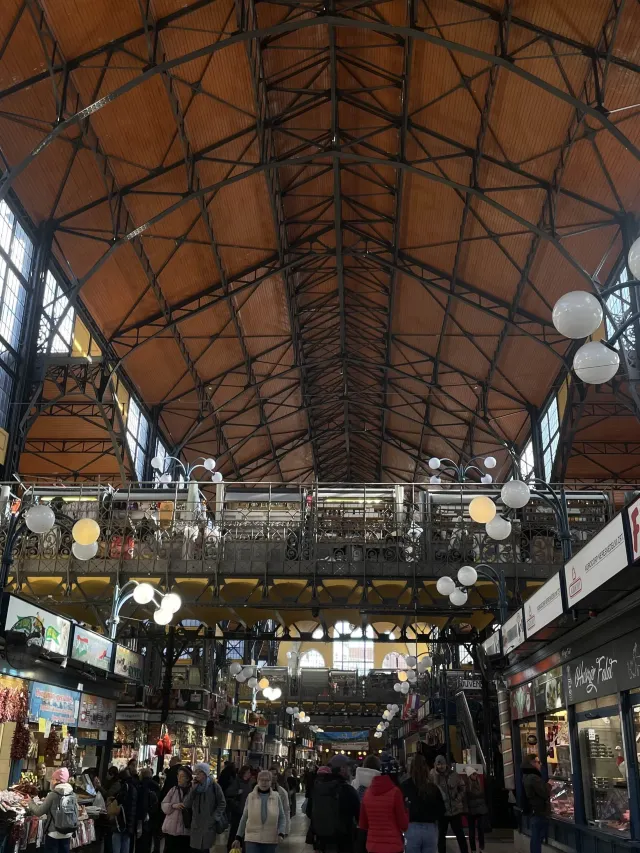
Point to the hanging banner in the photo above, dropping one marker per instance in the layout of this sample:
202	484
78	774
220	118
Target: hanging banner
54	704
363	734
513	632
493	645
600	559
128	664
97	713
543	606
42	629
92	649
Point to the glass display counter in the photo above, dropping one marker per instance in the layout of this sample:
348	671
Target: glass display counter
604	773
558	754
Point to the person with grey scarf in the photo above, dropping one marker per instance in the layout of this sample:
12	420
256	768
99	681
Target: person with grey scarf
208	808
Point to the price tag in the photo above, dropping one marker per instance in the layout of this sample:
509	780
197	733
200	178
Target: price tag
65	730
41	724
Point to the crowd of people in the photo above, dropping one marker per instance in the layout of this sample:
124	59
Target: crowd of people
382	810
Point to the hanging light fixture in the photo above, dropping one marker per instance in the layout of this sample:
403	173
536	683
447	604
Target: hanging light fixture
577	314
263	683
595	363
445	585
482	509
143	593
467	576
84	552
85	531
515	494
40	518
458	597
402	675
498	528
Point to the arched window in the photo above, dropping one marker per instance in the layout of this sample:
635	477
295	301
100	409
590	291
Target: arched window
394	660
312	660
351	650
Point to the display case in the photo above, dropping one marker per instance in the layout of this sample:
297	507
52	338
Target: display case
558	755
604	773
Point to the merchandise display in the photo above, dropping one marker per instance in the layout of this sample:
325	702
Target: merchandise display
558	751
604	774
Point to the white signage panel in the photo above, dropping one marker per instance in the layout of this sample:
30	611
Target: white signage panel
633	512
513	632
492	645
543	607
42	628
599	561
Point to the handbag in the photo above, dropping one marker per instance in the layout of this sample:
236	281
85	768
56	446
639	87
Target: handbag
221	824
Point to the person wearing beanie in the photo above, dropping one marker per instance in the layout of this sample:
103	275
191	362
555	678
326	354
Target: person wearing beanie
61	808
123	819
383	815
208	808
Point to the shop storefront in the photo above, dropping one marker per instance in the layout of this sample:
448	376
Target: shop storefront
574	692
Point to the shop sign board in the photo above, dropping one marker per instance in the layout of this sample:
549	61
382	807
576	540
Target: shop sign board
600	560
633	514
523	701
549	690
612	668
92	649
363	734
97	713
492	645
543	606
463	679
43	629
55	704
128	664
513	632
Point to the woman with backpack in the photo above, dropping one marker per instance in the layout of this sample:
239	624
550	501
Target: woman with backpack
61	808
122	809
177	822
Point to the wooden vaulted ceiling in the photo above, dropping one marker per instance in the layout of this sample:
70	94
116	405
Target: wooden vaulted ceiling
325	238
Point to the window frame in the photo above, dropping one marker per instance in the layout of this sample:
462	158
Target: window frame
137	448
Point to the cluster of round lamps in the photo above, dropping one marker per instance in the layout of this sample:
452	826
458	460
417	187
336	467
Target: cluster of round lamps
435	464
168	605
298	715
577	315
251	676
408	677
209	464
457	595
41	519
387	716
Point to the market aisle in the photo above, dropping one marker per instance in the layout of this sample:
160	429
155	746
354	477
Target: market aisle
294	843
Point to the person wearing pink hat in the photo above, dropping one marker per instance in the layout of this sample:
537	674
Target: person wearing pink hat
61	809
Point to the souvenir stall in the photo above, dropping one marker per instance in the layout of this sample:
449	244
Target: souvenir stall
130	739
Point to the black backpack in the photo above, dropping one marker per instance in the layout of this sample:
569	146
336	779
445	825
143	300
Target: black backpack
325	809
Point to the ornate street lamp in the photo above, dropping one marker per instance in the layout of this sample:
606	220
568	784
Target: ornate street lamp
167	604
458	593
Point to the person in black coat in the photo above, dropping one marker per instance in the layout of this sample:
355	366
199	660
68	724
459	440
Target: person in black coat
426	807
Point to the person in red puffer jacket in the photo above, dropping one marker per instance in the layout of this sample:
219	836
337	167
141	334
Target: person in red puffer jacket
383	815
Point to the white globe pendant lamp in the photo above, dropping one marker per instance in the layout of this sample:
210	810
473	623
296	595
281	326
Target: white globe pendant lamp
143	593
162	617
467	576
595	363
411	661
84	552
171	602
633	259
434	463
482	509
577	314
490	462
515	494
235	668
445	585
498	528
458	597
405	688
40	518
